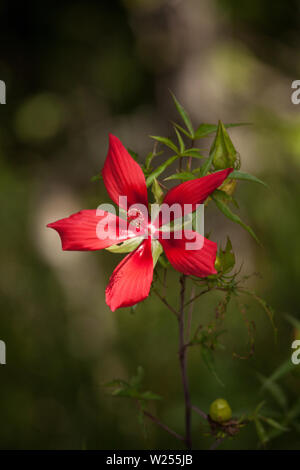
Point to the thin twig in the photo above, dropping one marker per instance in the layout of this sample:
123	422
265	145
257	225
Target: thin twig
182	359
166	303
200	412
165	282
163	426
197	296
190	316
217	443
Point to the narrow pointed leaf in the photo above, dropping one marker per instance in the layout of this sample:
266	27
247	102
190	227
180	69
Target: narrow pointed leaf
193	152
274	424
160	169
150	157
234	217
261	432
183	175
205	129
181	129
208	359
240	175
274	389
165	141
180	141
185	117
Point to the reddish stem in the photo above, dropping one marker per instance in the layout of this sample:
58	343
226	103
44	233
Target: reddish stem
183	366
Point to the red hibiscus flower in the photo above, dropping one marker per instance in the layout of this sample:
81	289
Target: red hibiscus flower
131	280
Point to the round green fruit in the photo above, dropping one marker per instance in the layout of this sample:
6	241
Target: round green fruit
220	411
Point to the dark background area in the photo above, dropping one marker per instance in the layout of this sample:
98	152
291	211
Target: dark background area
74	72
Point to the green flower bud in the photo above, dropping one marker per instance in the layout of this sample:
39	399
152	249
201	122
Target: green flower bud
226	258
218	263
220	411
224	153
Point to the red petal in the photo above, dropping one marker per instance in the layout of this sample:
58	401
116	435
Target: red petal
131	280
199	261
194	191
122	176
91	230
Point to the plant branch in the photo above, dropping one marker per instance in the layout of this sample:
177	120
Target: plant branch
190	316
197	297
162	425
200	412
217	443
166	303
183	365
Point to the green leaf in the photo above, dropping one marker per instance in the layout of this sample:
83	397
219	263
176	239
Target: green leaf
205	129
294	412
206	166
157	191
150	396
149	159
274	389
239	175
293	321
156	250
180	141
193	152
133	154
261	432
234	217
127	246
116	383
165	141
181	129
160	169
183	175
208	359
224	197
274	424
185	117
284	369
163	261
96	178
137	379
259	407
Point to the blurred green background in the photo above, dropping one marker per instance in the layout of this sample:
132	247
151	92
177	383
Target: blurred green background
75	71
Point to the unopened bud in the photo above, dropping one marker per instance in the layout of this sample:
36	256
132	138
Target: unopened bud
223	149
220	411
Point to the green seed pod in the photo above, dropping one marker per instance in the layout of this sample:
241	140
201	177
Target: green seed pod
224	153
220	411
